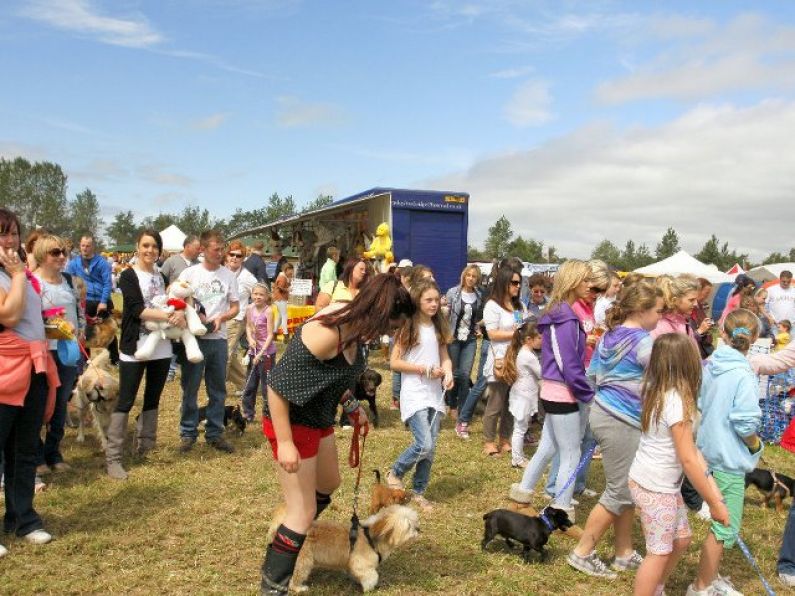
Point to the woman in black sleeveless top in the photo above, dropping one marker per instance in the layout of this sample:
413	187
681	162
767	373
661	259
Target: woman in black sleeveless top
317	372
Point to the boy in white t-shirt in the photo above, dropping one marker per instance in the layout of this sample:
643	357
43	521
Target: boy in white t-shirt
780	301
215	287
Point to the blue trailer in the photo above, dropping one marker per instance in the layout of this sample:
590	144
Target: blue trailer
427	226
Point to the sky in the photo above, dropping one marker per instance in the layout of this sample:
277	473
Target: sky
578	121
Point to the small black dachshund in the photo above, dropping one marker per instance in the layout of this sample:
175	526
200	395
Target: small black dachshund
773	486
231	414
532	532
366	388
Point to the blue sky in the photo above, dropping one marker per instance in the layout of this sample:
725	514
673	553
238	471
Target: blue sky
577	120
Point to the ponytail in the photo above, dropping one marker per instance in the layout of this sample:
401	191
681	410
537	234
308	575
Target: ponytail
520	336
741	327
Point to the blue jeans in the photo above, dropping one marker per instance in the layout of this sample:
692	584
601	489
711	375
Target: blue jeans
462	355
424	426
561	434
49	451
786	557
19	439
257	377
466	411
213	369
588	441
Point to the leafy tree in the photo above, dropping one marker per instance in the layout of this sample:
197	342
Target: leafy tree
527	250
193	220
499	239
475	254
36	193
320	201
84	215
711	253
643	256
122	229
279	207
607	252
669	245
158	222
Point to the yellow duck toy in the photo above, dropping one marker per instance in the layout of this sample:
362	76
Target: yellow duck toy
381	246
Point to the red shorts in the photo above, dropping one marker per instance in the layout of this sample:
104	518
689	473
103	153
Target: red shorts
305	438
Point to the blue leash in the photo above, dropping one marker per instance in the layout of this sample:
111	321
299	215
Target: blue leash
747	554
583	462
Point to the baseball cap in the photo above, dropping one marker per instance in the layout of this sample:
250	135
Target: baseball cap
405	263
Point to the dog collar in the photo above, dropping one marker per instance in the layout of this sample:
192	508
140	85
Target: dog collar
543	517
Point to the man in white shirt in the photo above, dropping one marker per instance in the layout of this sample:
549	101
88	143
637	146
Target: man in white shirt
780	301
215	288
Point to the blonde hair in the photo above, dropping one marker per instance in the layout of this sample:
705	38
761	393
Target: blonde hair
570	275
44	244
261	286
674	365
478	275
408	335
632	278
520	336
601	276
638	297
675	288
741	327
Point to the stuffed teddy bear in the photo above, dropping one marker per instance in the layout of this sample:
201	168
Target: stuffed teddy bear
178	298
381	246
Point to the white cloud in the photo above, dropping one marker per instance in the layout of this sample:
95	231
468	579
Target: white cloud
529	105
512	73
79	16
716	169
210	122
296	113
157	174
702	59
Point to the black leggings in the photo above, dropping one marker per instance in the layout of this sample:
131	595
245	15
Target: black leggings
130	375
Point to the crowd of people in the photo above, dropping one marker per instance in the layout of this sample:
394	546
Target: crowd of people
587	363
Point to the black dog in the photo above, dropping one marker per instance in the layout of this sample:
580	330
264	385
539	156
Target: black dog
532	532
365	391
231	414
773	486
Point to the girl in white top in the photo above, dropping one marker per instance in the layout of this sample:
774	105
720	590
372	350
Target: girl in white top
666	449
523	374
420	355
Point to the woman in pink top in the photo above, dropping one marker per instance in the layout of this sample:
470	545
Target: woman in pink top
743	286
584	307
680	295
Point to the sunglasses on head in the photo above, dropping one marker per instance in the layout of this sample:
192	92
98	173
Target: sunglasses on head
56	252
237	255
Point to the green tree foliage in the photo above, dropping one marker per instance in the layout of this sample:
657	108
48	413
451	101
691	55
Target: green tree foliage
475	254
194	220
527	250
607	252
84	215
499	239
158	222
122	229
716	254
279	207
36	193
320	200
668	245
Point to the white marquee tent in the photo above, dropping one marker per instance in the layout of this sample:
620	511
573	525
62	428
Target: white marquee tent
682	262
173	238
770	272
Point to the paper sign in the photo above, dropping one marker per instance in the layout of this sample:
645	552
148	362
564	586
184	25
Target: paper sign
301	287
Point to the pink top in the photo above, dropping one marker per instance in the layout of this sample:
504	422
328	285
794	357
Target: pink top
674	323
585	312
556	391
732	304
260	323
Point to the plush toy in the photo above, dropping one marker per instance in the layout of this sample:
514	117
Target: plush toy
381	246
178	298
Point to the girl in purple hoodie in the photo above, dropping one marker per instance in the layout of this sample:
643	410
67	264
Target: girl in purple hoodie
565	388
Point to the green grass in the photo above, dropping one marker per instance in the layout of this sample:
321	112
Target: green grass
196	523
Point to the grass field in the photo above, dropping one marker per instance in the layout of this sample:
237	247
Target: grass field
195	523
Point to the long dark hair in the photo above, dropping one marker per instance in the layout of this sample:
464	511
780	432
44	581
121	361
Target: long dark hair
9	219
520	336
409	334
500	293
368	315
347	272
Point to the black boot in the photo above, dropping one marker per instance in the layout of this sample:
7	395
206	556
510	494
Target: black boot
280	558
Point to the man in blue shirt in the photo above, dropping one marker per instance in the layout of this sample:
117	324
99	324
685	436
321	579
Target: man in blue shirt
95	270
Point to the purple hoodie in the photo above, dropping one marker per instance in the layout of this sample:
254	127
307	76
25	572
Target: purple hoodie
571	340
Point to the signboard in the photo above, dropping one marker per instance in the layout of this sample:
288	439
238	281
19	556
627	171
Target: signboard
301	287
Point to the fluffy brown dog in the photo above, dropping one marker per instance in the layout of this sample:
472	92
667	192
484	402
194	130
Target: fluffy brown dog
101	333
327	545
383	496
97	391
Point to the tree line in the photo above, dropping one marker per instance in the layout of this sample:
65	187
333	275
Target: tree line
37	193
502	242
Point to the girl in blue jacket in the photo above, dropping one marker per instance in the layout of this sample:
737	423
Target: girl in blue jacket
730	416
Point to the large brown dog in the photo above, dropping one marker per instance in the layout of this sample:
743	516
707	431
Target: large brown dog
100	333
97	391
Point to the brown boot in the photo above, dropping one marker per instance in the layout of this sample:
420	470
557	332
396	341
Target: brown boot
117	429
145	432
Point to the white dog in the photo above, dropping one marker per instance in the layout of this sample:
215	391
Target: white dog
97	391
178	298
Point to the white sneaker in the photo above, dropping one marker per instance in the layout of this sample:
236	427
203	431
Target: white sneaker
38	537
691	591
590	565
590	494
520	495
723	586
787	579
422	503
3	551
703	513
630	563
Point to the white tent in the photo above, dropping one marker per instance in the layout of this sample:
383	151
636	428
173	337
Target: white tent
770	272
173	238
682	262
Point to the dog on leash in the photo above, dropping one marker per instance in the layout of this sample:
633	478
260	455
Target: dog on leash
232	415
97	392
384	496
531	532
101	332
328	546
774	487
365	391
